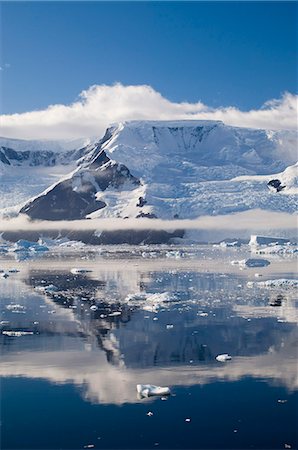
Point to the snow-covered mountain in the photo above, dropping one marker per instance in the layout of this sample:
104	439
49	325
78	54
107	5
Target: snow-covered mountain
29	167
171	169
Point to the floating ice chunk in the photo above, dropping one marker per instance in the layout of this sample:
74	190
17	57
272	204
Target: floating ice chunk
175	254
225	244
17	333
14	307
251	262
77	270
93	308
223	357
149	390
266	240
49	288
256	262
115	313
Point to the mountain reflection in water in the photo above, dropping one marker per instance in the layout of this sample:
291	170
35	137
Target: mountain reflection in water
117	344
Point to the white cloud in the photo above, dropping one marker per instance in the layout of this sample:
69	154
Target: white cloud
253	220
101	105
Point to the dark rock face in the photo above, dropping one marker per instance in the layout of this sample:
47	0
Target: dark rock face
74	198
276	184
63	203
132	237
36	158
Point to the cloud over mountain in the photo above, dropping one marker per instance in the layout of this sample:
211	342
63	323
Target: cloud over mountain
101	105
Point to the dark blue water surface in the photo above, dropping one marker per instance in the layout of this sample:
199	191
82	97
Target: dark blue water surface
69	372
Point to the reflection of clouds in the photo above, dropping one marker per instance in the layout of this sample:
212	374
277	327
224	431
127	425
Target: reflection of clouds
106	383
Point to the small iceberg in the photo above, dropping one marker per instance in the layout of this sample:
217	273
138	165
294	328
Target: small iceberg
223	357
251	262
267	240
149	390
77	270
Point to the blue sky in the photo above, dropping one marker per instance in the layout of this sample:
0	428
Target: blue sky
238	53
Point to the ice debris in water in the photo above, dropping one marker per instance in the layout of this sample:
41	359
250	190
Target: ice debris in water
223	357
279	283
149	390
77	270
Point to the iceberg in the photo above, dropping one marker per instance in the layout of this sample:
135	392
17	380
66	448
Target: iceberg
223	357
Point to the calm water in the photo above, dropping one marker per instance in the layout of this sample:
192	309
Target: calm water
69	373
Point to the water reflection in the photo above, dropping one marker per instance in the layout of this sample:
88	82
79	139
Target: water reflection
84	329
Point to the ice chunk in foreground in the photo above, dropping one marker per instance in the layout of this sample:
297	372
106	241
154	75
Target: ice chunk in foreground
223	358
149	390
